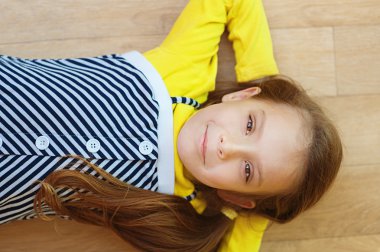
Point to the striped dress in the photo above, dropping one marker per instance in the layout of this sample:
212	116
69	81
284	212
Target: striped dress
102	108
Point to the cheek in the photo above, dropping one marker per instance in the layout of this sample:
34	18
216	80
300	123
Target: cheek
221	176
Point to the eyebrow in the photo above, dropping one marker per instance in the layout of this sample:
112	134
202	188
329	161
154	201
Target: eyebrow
260	132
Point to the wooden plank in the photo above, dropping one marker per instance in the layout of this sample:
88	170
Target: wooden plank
307	55
367	243
73	19
305	13
305	42
358	59
350	208
41	20
59	236
358	119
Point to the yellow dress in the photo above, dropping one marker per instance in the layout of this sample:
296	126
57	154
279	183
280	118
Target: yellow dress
187	62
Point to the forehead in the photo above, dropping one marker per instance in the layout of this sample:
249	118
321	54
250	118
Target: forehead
281	122
277	111
282	144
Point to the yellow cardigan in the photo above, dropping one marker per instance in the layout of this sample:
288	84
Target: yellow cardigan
187	62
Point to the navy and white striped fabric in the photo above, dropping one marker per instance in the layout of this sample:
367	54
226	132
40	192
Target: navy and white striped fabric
185	100
72	102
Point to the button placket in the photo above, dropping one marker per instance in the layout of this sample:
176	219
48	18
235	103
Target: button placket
93	145
145	147
42	142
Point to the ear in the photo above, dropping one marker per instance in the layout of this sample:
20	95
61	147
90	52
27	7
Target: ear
241	201
242	94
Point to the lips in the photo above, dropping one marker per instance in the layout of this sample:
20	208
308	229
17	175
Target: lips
204	145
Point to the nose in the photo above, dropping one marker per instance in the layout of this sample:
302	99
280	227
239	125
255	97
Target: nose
232	146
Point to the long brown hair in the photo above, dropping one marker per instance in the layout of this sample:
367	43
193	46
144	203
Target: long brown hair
158	222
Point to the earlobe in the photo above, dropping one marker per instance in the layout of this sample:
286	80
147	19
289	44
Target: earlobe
238	200
242	94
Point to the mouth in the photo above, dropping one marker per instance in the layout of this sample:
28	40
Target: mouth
204	145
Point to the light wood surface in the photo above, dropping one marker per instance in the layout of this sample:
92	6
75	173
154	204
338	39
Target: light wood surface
332	47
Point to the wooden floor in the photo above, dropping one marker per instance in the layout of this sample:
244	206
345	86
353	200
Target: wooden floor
331	46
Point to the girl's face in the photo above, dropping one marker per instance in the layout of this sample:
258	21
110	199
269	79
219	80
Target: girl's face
245	145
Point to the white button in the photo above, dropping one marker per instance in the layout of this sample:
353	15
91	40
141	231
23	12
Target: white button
145	147
93	145
42	142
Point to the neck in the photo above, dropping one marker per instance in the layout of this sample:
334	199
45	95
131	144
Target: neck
188	175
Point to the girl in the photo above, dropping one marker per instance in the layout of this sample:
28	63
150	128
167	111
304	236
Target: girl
97	133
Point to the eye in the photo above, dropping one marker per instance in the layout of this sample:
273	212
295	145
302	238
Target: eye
247	170
250	125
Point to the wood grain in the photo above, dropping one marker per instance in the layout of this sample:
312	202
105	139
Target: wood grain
59	236
358	59
307	54
304	13
369	243
44	20
330	46
358	119
350	208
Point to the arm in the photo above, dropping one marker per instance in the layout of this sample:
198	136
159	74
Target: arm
251	39
191	46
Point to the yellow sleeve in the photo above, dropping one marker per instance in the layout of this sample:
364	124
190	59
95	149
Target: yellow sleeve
246	235
187	59
251	40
